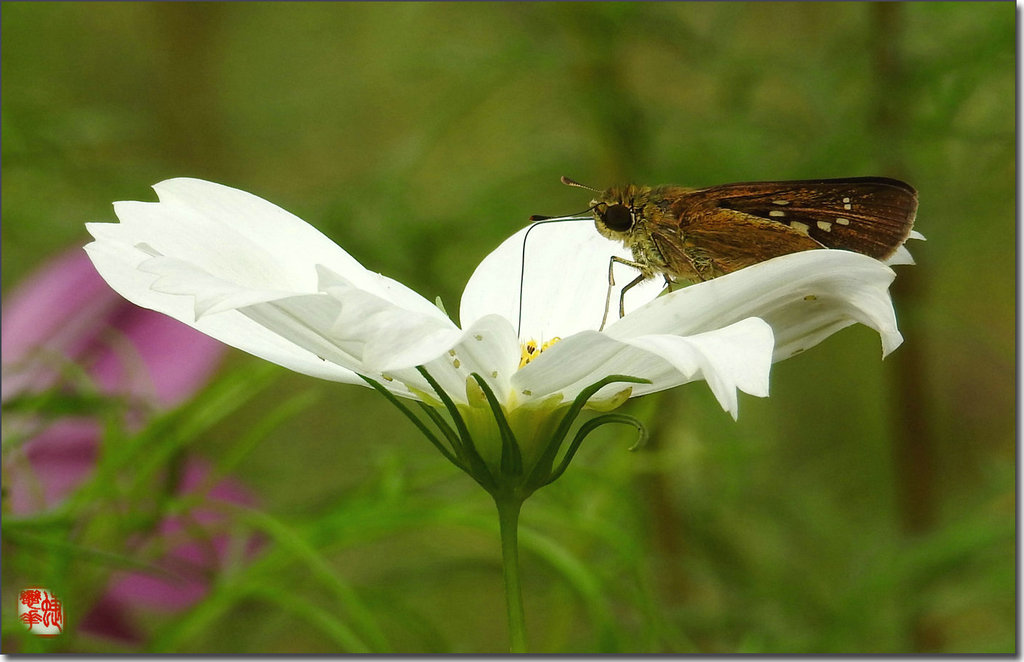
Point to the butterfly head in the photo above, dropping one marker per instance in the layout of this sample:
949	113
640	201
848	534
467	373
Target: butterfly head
616	210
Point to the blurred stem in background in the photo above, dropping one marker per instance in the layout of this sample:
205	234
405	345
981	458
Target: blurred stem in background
913	442
187	96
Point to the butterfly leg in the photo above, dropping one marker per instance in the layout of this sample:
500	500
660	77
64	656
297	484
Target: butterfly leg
611	284
622	295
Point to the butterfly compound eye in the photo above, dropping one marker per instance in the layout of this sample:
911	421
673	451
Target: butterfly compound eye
618	218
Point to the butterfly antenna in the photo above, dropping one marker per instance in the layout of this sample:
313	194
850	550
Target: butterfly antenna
535	221
576	184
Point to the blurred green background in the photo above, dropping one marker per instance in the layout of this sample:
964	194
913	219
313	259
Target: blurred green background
867	506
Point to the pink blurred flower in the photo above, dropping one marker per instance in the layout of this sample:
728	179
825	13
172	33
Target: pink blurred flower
66	314
66	309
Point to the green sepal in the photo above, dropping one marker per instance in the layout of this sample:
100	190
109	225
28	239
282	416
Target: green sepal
477	467
511	455
540	475
589	427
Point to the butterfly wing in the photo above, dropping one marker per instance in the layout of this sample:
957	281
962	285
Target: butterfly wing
723	242
869	215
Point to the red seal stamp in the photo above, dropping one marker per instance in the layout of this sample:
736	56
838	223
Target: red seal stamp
41	612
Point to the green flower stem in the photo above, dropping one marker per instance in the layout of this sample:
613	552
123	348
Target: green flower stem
508	519
510	482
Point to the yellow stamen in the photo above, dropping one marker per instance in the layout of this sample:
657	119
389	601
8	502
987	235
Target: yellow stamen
530	350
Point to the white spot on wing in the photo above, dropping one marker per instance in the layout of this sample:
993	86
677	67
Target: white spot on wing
843	221
800	227
776	212
825	225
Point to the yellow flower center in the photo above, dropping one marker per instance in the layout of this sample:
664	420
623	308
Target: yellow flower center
531	350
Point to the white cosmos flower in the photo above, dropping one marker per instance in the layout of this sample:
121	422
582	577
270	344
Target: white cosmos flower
254	276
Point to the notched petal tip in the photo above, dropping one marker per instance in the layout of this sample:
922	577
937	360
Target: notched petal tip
901	257
891	340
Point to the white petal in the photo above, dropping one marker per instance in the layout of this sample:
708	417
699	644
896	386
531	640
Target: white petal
488	348
231	234
738	356
241	238
587	357
220	259
805	297
211	294
735	357
307	320
381	335
119	267
561	278
901	256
